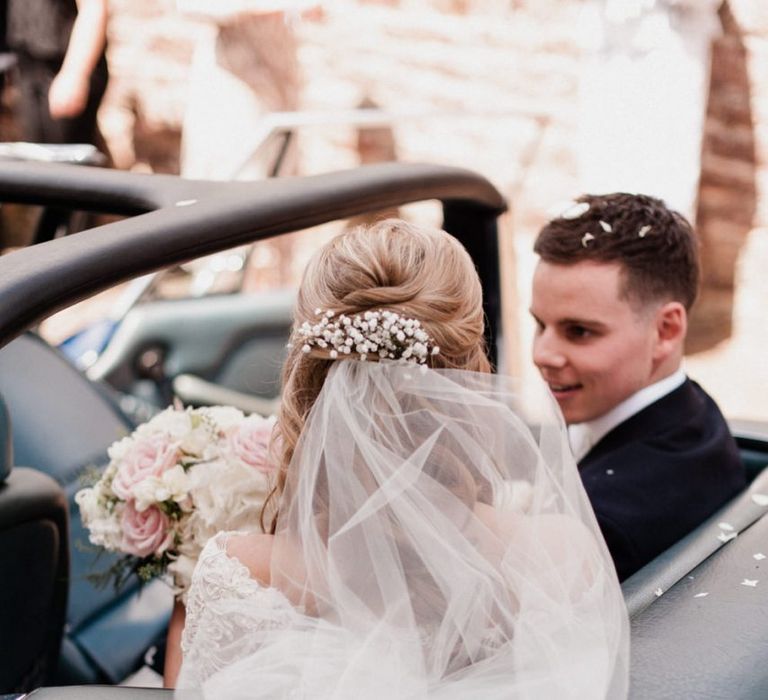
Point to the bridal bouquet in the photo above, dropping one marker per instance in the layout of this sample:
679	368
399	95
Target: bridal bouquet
176	481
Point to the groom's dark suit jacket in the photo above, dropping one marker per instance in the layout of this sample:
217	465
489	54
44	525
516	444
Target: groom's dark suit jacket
660	473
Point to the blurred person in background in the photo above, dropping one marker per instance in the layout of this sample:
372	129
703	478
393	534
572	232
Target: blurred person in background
62	76
245	67
60	46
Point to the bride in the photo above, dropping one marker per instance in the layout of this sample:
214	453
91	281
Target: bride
427	536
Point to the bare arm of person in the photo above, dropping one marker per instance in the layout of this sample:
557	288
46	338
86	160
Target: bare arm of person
173	645
68	93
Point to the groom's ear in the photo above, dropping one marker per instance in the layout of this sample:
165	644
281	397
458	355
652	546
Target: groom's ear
670	328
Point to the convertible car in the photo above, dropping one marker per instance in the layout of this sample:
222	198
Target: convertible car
699	612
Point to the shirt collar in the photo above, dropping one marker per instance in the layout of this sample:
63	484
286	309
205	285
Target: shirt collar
583	436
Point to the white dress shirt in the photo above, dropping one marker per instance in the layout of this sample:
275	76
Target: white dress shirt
583	436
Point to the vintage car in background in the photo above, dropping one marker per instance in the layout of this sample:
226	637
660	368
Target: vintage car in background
65	638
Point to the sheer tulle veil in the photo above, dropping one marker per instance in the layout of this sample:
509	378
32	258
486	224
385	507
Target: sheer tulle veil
435	541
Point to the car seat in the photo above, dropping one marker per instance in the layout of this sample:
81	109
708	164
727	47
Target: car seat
63	425
34	561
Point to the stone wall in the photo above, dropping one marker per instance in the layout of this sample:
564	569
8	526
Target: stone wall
489	84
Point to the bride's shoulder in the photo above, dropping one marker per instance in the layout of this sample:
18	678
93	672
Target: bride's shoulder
254	551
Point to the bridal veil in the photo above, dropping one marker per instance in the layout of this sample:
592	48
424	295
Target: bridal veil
434	541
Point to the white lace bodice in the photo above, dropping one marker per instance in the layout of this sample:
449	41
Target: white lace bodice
219	628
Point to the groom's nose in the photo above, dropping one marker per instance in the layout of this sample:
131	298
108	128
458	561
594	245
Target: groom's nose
547	353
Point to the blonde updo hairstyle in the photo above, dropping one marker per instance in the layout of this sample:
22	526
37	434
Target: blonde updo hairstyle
418	272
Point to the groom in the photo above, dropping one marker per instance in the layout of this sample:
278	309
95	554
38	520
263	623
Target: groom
616	279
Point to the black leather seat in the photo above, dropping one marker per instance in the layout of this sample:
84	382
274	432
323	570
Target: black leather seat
63	425
34	566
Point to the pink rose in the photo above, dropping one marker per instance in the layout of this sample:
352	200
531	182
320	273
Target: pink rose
148	456
249	442
145	532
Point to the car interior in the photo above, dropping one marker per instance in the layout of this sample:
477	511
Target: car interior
63	637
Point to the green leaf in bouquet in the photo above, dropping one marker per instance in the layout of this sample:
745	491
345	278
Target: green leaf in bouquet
124	568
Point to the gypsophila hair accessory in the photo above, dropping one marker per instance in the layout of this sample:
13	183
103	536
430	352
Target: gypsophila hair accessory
385	334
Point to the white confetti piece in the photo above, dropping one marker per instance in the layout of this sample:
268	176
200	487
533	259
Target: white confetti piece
185	202
606	226
691	577
701	595
658	592
644	231
586	238
725	526
574	211
759	556
760	498
726	537
609	472
751	582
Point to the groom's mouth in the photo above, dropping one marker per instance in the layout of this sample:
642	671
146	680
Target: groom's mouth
563	391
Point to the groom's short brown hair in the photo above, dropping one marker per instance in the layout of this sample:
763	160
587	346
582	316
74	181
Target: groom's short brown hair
656	246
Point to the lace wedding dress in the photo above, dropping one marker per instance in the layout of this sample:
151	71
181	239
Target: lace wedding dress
434	541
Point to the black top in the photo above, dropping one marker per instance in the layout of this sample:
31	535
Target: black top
41	28
660	473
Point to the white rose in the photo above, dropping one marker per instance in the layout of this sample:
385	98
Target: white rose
171	421
106	531
117	450
150	491
225	417
90	508
176	482
196	441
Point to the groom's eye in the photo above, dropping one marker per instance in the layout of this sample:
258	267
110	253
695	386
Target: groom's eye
578	332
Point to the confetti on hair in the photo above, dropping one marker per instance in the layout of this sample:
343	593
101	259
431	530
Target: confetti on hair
606	227
644	231
586	238
575	210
